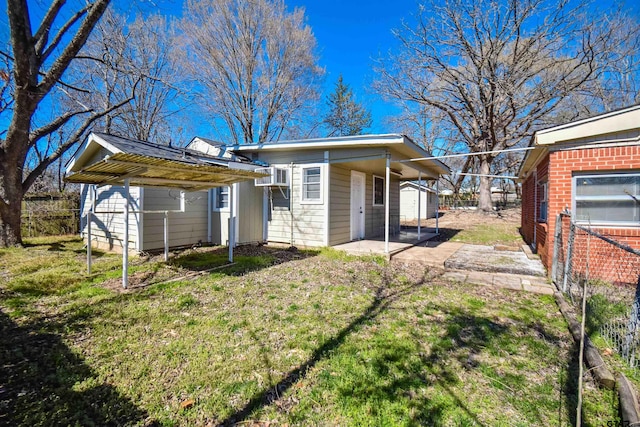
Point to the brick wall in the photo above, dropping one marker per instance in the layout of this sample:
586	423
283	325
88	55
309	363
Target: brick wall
531	228
527	221
562	165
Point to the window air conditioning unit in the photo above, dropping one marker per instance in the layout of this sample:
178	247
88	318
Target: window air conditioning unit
278	177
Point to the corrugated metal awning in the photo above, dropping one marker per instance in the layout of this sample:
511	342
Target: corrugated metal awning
145	171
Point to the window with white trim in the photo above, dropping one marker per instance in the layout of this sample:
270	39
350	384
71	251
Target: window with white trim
378	191
221	198
607	199
312	184
543	197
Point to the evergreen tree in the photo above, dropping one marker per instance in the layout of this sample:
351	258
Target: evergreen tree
345	116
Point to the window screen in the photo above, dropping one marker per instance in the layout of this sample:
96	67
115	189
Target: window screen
378	191
608	199
311	184
222	197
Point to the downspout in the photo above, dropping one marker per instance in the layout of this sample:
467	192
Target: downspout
209	216
125	246
291	204
236	213
140	220
325	195
535	210
386	204
265	213
231	224
419	200
437	204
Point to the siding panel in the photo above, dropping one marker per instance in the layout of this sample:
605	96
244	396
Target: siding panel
107	226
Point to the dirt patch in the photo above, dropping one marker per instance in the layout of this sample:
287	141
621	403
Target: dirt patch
452	222
467	218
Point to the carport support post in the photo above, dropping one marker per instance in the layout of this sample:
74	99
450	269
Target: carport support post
437	204
232	224
89	242
419	200
166	236
92	190
386	205
125	244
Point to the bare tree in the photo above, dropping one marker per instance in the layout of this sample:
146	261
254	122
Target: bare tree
498	69
37	61
254	63
122	56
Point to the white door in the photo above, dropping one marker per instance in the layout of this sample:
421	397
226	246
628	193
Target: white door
357	205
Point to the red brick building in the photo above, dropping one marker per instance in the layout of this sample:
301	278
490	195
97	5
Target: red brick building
589	168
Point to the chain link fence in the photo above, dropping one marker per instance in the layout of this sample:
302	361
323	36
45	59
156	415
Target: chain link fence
609	271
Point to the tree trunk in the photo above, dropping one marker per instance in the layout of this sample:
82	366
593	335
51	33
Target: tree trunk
484	191
11	207
12	161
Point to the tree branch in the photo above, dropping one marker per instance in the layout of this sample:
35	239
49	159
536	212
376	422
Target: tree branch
53	126
70	141
42	35
59	66
63	31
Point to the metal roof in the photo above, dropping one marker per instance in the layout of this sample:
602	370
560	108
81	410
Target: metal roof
150	165
404	149
145	148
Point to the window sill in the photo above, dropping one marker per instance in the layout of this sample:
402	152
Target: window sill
607	224
311	202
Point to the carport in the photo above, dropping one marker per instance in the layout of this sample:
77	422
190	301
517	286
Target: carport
159	166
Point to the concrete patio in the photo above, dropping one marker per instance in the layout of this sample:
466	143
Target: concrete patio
405	239
474	264
481	265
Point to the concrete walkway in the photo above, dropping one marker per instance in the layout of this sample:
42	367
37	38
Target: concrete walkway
516	282
433	254
487	258
482	267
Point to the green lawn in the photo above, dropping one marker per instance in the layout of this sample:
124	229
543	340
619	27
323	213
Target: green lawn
490	234
286	337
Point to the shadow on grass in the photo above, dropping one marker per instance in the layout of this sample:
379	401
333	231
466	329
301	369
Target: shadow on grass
569	385
247	258
382	299
396	372
399	370
445	234
42	382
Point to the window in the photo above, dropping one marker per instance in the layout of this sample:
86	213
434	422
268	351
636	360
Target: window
311	185
378	191
607	199
221	198
543	197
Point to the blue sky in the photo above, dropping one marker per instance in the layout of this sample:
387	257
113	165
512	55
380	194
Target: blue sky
350	35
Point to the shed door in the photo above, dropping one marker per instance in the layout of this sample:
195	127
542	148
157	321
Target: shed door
357	205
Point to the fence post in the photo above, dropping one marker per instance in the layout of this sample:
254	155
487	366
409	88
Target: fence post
567	262
627	346
556	248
